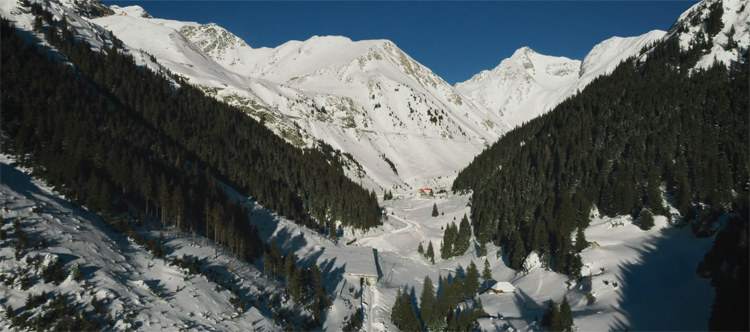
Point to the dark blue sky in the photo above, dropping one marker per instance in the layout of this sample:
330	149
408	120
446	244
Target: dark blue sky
454	39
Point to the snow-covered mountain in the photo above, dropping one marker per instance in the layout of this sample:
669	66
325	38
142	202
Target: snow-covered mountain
403	125
134	11
528	84
727	42
400	124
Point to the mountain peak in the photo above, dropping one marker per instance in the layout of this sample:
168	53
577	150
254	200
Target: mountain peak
605	56
134	11
523	51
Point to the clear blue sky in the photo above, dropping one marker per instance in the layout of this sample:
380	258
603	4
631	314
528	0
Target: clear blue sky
454	39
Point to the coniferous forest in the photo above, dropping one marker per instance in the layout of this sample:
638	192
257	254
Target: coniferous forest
112	135
650	127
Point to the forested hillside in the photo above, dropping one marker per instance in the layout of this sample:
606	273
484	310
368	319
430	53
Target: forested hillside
112	135
612	146
653	124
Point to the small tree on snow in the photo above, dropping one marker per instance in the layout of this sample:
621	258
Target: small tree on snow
487	272
435	210
647	219
431	253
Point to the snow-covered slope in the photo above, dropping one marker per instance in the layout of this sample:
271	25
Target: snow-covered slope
138	290
692	26
76	12
134	11
522	86
528	84
402	124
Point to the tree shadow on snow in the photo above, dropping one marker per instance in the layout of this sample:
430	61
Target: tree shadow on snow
22	183
661	289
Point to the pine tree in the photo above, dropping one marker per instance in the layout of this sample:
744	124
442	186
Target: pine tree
10	313
549	313
471	283
646	219
398	311
411	322
431	318
487	272
431	253
420	249
519	253
557	323
464	237
449	242
435	210
321	300
566	316
482	250
581	242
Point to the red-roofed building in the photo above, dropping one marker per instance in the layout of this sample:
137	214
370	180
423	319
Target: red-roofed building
426	192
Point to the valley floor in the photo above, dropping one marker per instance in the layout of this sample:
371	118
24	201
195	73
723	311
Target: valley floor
642	280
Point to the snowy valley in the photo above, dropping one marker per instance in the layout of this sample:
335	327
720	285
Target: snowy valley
394	127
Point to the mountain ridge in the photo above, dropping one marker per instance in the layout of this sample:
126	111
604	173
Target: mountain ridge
518	92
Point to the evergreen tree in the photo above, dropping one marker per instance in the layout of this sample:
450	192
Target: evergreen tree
431	318
449	241
482	249
557	323
519	253
431	253
321	300
398	311
646	219
566	315
464	237
487	272
435	210
420	249
549	313
403	314
581	242
471	283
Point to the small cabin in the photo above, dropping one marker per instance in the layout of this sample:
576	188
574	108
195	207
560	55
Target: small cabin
502	287
425	192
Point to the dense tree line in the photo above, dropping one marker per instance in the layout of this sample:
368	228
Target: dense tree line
613	146
441	311
304	285
456	240
111	131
